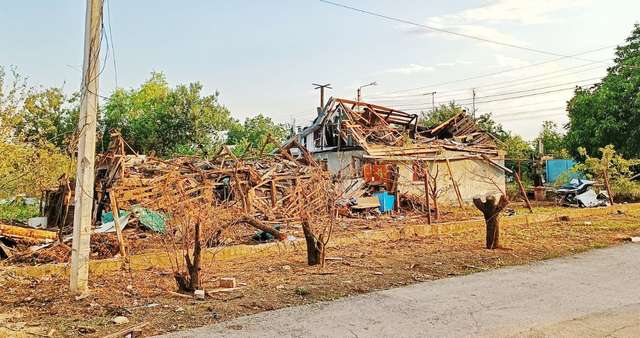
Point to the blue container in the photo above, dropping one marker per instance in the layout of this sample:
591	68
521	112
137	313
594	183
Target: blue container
386	200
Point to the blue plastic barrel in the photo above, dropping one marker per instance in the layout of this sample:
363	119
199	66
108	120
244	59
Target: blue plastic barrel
386	200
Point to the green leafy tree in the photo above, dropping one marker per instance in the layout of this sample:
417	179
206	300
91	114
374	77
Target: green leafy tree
167	121
254	132
439	115
48	115
609	112
552	140
487	123
13	91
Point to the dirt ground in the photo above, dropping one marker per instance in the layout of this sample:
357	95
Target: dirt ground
41	307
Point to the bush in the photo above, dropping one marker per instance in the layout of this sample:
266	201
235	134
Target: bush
30	169
18	212
625	190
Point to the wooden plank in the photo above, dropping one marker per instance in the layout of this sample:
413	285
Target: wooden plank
27	233
455	184
116	221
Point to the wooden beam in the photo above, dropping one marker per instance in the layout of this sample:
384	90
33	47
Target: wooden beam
27	233
523	192
455	184
116	221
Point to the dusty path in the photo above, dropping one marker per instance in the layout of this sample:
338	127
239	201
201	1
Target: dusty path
599	288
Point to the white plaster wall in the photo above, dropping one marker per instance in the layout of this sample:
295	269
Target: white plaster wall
338	160
474	177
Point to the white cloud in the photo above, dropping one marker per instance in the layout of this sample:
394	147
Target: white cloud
518	11
481	21
504	61
410	69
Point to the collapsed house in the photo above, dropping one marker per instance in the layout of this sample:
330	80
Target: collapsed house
389	148
263	193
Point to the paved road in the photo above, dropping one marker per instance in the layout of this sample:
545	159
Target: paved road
595	294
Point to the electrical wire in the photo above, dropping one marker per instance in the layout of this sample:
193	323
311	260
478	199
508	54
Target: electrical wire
500	43
504	71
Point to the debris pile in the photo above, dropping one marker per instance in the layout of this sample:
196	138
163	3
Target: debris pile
579	193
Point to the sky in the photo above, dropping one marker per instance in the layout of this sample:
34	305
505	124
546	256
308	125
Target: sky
263	56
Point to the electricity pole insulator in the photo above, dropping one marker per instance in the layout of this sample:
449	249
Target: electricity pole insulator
85	176
322	87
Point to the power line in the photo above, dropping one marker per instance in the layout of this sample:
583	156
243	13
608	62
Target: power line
510	83
490	74
500	43
508	93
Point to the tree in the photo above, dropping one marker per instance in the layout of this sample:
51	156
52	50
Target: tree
167	121
439	115
552	140
31	168
491	211
253	134
48	115
488	124
13	91
609	112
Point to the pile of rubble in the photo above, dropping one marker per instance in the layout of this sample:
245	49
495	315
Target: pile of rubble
145	190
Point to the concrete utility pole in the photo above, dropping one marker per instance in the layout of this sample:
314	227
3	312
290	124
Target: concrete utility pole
433	101
474	103
86	149
322	87
359	93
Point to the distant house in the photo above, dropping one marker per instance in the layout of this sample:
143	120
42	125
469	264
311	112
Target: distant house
387	147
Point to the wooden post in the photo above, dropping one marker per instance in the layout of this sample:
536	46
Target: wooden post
607	186
85	171
427	196
523	192
116	221
456	189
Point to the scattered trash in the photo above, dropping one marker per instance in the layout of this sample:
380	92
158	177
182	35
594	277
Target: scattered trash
199	294
227	282
286	267
120	320
37	222
111	226
635	239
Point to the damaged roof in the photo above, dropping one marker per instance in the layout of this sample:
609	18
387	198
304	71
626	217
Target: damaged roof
387	132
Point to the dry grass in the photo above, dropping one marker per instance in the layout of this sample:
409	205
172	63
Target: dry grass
277	281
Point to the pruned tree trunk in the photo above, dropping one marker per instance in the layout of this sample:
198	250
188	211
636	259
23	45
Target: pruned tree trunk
491	212
192	282
315	247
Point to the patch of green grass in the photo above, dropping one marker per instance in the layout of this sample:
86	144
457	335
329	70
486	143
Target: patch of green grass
300	291
16	212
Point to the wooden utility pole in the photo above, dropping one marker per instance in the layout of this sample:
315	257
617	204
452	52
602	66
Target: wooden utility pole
322	87
86	149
